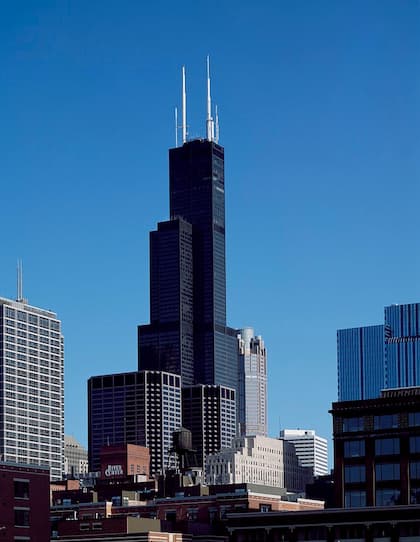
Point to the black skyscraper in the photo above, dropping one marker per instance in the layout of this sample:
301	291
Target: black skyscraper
168	341
196	176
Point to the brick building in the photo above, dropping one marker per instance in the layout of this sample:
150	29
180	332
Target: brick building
377	450
24	502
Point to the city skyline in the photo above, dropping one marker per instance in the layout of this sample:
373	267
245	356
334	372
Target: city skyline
319	119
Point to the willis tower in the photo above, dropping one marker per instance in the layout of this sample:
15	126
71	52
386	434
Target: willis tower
187	333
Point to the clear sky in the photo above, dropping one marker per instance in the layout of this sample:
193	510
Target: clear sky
319	117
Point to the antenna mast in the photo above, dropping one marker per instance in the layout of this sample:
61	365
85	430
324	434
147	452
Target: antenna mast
19	281
209	121
176	127
216	137
184	108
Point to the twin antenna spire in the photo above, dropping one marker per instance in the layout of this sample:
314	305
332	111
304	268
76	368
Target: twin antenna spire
212	125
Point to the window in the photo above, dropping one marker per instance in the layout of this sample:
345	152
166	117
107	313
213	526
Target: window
413	419
387	497
351	425
387	446
192	514
21	517
387	471
265	507
354	499
21	488
354	473
415	445
354	448
414	470
385	421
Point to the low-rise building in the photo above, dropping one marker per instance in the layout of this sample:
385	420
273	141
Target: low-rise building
24	502
258	460
397	524
377	450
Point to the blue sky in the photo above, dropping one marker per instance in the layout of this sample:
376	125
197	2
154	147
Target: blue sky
319	116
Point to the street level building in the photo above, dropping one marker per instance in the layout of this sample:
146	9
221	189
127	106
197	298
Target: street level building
377	450
373	358
209	412
141	408
31	386
398	524
311	449
25	503
258	460
252	383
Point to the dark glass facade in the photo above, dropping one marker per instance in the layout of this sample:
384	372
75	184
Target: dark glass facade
188	278
209	412
141	408
167	343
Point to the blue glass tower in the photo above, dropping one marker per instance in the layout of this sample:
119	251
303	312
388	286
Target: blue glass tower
402	345
360	361
377	357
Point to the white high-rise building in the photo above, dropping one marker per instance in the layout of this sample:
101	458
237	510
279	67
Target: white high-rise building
311	449
32	386
258	460
252	383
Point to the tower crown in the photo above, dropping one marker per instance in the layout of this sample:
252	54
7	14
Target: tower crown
212	124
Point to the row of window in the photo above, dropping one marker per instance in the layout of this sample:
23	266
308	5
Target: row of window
383	497
23	316
383	421
383	446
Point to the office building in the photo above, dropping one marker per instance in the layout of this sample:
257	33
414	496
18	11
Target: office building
311	449
142	408
32	386
188	272
402	345
167	344
252	384
373	358
209	412
258	460
75	458
360	362
377	449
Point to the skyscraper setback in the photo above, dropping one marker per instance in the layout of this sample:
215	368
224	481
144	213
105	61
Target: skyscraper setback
188	331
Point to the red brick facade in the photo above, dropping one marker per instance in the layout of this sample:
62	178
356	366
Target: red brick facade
125	460
24	502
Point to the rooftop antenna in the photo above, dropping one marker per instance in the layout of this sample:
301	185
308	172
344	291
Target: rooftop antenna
209	121
19	281
184	108
176	127
216	137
